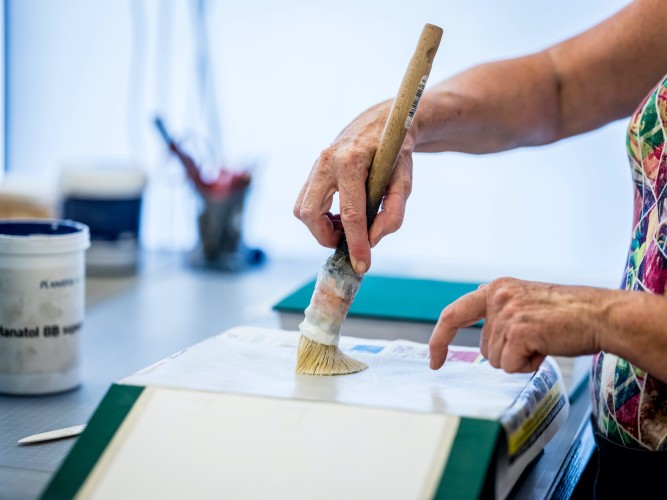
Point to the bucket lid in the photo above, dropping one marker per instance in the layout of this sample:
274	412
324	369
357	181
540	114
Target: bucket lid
42	236
104	181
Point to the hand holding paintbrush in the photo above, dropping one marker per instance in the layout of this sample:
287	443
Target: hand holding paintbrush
337	282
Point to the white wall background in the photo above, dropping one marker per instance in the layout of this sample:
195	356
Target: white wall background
85	79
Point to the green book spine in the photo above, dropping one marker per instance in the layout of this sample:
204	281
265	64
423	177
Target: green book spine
89	447
470	469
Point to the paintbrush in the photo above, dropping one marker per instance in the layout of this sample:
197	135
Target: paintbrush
337	282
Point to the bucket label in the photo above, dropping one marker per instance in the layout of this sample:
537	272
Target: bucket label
41	315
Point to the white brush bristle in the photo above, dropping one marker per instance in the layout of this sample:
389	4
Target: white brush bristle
313	358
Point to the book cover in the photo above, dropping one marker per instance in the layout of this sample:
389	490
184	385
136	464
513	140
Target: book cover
155	442
390	298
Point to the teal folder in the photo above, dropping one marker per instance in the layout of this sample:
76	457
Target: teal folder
390	298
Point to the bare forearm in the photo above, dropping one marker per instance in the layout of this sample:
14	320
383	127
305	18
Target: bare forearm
575	86
492	107
638	330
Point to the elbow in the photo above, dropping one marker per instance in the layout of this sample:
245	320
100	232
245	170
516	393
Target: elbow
554	128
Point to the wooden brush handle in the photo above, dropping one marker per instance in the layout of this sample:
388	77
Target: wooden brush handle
400	118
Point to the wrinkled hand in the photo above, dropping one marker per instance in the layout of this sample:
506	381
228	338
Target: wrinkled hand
343	167
524	322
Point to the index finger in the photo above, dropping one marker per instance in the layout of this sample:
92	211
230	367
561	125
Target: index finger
312	206
463	312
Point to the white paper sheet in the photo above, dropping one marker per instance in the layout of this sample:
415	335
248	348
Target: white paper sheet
258	361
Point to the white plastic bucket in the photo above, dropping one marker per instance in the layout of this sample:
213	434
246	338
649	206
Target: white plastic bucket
42	284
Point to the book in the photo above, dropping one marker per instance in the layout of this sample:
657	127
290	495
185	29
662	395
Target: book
392	308
388	307
390	297
229	418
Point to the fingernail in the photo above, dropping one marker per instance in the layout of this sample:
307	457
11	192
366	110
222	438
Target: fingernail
359	266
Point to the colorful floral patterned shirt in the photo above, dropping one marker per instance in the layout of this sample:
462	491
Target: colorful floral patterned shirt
629	405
